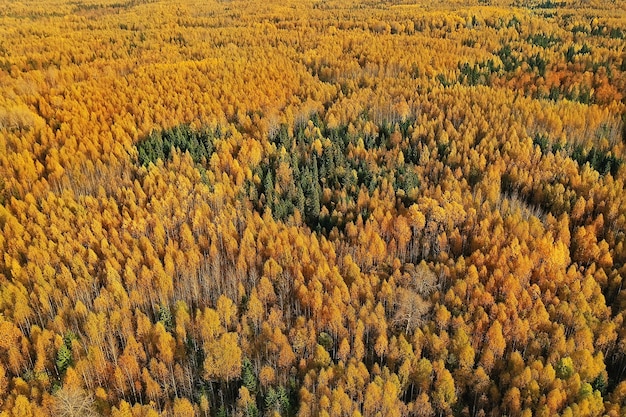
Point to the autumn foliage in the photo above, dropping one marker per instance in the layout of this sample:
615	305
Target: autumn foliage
312	208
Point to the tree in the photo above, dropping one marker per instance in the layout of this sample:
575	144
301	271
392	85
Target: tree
227	311
64	358
421	407
373	399
248	378
223	358
246	404
444	395
73	402
277	401
183	408
463	349
512	401
344	350
495	340
22	407
321	357
165	344
410	310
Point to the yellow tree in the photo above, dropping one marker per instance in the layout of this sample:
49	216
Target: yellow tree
223	358
444	394
183	408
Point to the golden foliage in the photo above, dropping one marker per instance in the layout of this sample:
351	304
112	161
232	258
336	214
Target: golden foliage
312	208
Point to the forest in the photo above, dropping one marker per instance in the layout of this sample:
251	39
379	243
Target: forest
244	208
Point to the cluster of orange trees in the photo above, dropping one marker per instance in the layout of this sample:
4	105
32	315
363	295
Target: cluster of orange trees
312	208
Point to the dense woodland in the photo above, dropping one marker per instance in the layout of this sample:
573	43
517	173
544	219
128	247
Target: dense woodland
312	208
